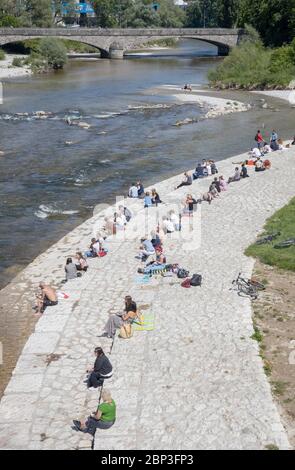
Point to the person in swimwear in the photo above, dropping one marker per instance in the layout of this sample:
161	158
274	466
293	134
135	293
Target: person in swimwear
47	298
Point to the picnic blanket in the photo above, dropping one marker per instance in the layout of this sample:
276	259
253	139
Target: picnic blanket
145	279
147	322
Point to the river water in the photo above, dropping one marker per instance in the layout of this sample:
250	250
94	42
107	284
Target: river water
48	187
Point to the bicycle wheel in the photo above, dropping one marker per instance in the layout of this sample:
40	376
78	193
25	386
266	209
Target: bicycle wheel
285	244
249	291
256	284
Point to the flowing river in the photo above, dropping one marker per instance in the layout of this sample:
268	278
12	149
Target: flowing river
48	186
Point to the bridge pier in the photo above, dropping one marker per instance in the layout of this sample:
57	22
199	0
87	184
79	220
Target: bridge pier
116	51
223	50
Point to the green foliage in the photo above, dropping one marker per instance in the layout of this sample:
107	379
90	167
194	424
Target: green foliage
274	19
282	221
17	62
250	65
2	54
53	52
9	20
40	12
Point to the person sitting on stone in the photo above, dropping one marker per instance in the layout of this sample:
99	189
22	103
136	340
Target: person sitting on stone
146	249
213	190
120	221
259	165
244	171
190	204
214	169
81	263
293	142
175	219
47	298
187	180
155	197
116	320
147	200
167	225
155	241
101	370
140	189
133	191
199	172
71	270
236	176
207	197
216	183
222	183
126	212
103	418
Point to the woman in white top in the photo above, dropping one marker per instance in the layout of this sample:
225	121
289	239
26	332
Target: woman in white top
174	219
168	225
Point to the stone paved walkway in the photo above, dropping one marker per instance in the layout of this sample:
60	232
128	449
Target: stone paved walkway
196	381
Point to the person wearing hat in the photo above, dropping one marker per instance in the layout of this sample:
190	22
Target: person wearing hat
102	369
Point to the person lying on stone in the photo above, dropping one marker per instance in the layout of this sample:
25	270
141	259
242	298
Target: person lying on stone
101	370
47	298
118	319
103	418
236	176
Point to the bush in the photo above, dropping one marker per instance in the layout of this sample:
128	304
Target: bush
54	52
17	62
2	54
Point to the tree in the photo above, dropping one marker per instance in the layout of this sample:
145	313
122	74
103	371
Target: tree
105	11
227	11
193	15
40	12
54	52
274	19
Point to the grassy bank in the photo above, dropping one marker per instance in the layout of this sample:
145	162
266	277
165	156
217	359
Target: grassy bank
251	66
282	221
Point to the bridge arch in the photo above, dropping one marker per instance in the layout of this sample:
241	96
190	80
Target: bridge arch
104	49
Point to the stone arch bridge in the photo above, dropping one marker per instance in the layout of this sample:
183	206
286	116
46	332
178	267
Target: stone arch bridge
114	42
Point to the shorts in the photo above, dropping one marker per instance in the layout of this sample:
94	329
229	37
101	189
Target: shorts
48	303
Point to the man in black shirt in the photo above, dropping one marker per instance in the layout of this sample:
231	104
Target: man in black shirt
102	369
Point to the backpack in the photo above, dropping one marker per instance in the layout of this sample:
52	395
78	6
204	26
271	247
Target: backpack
186	283
256	137
126	331
182	273
196	280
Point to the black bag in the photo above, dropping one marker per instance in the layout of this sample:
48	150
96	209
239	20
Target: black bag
182	273
196	280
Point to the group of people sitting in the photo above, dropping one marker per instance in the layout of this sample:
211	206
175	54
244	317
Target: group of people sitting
151	198
136	190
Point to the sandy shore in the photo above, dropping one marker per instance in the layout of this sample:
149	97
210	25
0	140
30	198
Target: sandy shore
214	106
7	70
199	360
286	95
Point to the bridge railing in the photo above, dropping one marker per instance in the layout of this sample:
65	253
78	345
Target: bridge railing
177	32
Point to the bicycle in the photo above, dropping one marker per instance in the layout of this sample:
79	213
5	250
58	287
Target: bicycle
285	243
268	238
247	287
